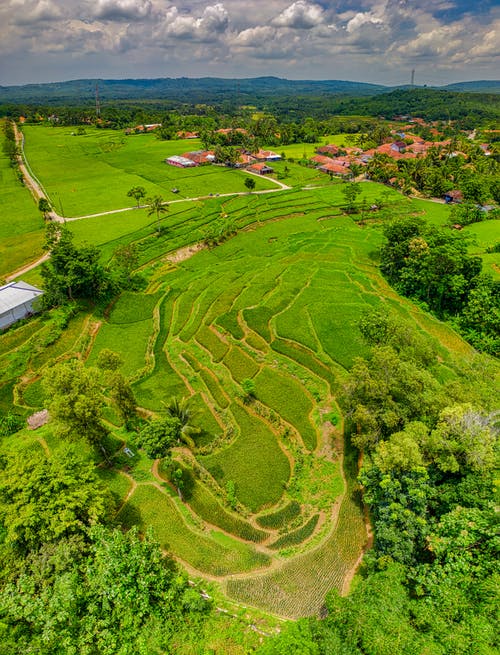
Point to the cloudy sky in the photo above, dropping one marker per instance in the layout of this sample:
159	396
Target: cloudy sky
369	41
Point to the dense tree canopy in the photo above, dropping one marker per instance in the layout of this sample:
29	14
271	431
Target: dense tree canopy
72	272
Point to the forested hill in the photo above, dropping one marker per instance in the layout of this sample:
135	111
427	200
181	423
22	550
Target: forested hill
210	90
192	90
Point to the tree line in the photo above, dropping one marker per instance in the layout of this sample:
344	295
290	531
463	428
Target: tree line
431	265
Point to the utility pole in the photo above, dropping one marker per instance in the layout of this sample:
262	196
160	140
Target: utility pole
97	102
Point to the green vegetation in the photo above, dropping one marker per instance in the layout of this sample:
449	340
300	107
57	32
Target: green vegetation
21	233
203	502
148	506
286	396
254	462
221	396
280	517
296	537
76	170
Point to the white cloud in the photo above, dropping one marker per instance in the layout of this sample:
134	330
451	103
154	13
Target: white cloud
255	36
374	40
360	19
300	15
206	28
27	11
122	9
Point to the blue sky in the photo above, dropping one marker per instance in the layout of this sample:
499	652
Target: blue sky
370	41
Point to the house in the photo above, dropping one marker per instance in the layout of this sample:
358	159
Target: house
244	159
261	169
180	162
330	149
334	169
200	156
321	159
267	155
398	146
453	196
187	135
17	300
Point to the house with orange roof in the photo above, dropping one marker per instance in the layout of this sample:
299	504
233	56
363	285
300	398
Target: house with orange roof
267	155
330	149
187	135
200	157
335	169
245	159
321	159
261	168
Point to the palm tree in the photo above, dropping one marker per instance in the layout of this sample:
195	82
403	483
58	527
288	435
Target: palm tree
157	206
179	408
137	192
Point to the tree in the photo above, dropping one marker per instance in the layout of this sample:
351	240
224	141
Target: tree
181	410
249	183
351	192
116	594
127	259
122	395
108	360
248	387
72	272
44	498
75	401
157	206
159	435
44	207
138	193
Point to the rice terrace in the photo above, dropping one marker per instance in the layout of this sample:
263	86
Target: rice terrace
259	329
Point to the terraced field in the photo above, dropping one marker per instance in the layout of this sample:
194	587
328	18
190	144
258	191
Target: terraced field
278	305
269	507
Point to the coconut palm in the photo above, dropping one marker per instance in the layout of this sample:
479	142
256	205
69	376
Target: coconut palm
157	206
181	410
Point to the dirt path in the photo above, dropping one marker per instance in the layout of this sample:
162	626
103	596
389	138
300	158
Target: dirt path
30	181
28	267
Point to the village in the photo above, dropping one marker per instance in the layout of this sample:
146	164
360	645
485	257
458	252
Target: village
347	162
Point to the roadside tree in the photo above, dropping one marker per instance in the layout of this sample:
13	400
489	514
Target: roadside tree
250	184
138	193
157	207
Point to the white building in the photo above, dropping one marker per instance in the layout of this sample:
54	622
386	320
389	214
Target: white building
16	302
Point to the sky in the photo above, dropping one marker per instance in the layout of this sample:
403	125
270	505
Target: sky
444	41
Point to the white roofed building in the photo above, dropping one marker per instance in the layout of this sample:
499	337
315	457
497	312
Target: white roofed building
16	302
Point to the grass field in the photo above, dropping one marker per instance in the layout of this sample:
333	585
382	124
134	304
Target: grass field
21	225
85	174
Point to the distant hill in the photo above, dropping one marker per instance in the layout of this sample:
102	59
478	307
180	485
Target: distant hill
481	86
184	89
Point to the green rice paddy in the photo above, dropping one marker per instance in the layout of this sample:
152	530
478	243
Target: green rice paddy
266	496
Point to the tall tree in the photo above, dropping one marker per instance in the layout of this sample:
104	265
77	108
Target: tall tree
44	207
75	401
72	272
157	206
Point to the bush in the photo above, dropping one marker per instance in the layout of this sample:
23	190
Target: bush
159	435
